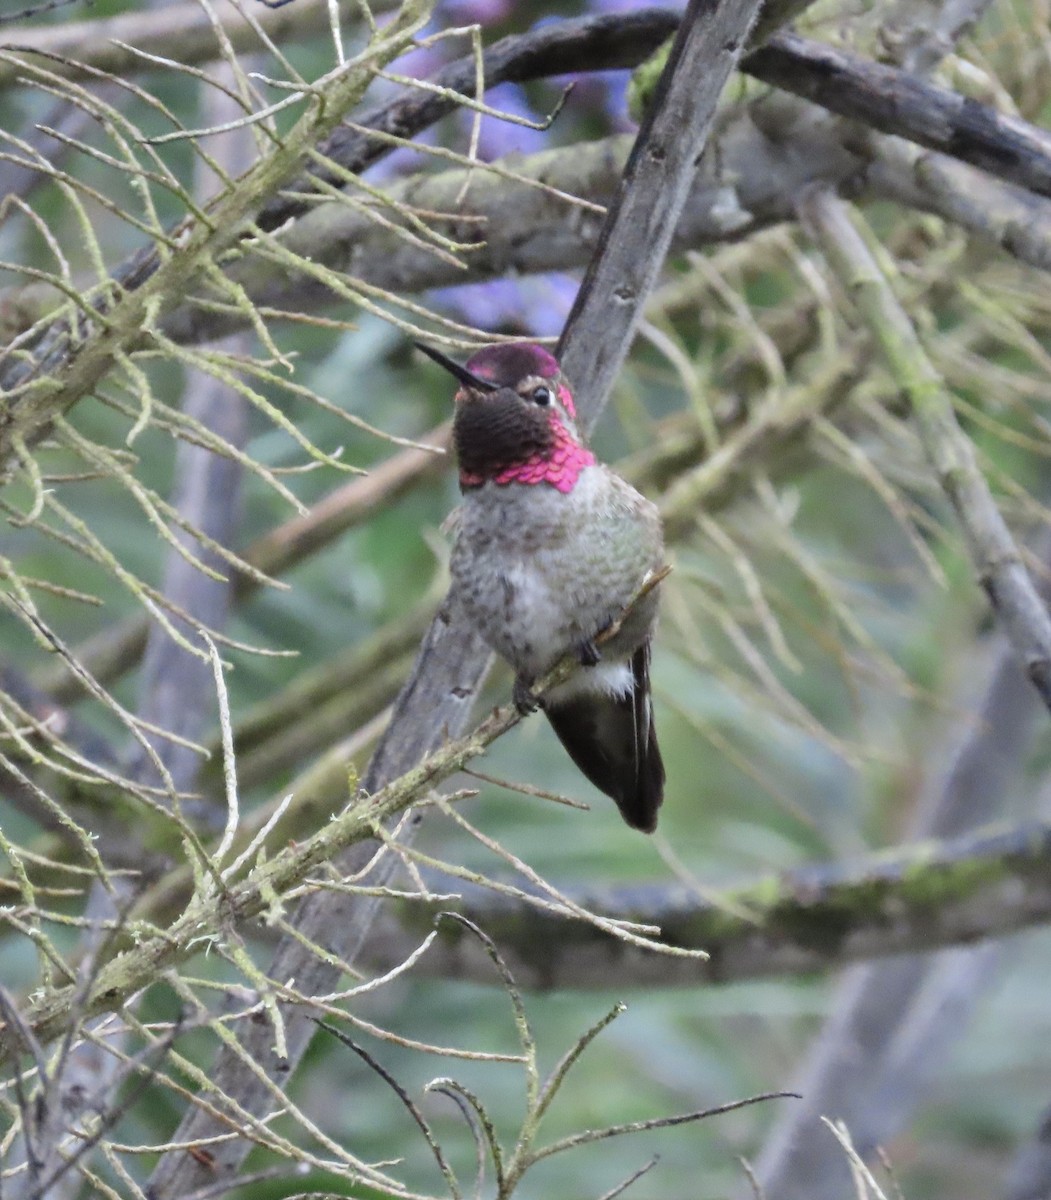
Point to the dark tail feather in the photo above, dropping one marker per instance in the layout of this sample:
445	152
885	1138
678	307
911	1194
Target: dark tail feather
614	743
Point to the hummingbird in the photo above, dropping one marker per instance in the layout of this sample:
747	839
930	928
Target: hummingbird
551	546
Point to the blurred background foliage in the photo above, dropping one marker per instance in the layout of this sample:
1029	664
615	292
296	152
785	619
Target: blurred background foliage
821	640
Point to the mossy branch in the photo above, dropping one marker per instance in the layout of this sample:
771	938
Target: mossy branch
186	34
259	891
996	558
39	397
921	897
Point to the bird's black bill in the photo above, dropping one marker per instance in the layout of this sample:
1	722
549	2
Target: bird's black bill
458	372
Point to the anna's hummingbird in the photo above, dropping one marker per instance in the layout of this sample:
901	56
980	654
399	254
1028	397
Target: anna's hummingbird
550	548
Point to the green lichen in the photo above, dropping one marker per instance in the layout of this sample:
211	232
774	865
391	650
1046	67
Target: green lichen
644	80
928	885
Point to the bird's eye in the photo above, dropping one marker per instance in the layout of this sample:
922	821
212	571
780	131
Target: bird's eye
541	395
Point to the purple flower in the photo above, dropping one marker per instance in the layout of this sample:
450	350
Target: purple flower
615	6
535	306
499	138
424	61
477	12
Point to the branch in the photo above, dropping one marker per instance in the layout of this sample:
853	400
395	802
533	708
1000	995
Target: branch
583	45
211	911
52	376
188	36
654	186
747	183
896	102
890	100
452	659
1008	217
994	554
174	696
184	32
921	897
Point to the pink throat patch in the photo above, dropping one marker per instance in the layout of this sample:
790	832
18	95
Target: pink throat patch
566	397
560	467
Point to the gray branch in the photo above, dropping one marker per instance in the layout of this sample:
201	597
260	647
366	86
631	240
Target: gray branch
652	193
891	101
926	896
747	183
851	1072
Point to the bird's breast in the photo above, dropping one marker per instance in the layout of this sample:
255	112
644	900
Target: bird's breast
539	571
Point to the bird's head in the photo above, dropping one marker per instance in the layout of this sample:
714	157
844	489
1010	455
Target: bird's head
515	419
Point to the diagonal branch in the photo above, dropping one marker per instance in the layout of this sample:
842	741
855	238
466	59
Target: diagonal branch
892	101
71	357
215	910
643	217
453	660
994	554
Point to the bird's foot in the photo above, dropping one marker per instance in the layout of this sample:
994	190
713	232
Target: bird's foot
588	653
522	695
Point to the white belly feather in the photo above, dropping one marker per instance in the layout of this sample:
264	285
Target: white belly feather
535	639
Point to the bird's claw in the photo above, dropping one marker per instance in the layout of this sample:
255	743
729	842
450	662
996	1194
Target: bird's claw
588	653
523	697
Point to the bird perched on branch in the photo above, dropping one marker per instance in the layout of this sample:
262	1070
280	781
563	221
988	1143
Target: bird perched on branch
551	548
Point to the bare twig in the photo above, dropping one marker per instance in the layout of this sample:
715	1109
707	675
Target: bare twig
407	1102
